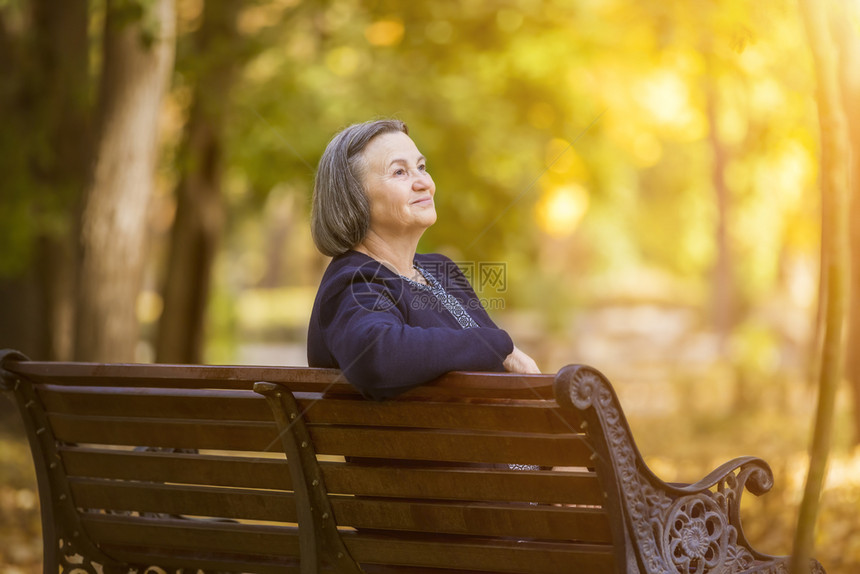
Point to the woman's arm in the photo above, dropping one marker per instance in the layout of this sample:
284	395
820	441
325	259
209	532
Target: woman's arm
382	356
456	282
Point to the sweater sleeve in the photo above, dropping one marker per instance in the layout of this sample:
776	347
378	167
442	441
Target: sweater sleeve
382	356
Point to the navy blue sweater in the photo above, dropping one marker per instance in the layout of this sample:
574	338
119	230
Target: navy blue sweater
388	336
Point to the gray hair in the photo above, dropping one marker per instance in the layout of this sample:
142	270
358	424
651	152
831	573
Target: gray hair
340	213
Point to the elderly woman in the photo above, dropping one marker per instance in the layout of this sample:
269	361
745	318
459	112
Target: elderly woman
389	318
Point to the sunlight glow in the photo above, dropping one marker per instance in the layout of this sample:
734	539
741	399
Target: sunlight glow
561	209
149	306
665	96
384	32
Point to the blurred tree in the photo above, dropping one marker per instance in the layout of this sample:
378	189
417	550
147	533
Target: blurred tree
724	288
44	156
137	60
846	22
212	64
835	156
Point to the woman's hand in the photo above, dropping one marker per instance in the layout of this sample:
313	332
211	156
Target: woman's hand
519	362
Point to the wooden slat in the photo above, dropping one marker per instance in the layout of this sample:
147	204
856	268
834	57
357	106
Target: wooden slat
224	405
553	487
387	569
493	555
503	385
438	552
192	535
301	379
165	433
227	405
556	487
547	450
215	470
178	376
258	564
130	496
520	520
515	416
208	561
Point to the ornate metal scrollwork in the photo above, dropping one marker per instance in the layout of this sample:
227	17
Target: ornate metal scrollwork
683	530
695	536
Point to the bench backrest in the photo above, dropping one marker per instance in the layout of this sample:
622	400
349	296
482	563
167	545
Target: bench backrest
184	466
446	483
128	452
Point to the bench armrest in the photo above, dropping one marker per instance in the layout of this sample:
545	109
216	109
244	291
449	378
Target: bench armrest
670	528
756	472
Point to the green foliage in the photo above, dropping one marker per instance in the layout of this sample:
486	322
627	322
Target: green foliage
487	88
510	101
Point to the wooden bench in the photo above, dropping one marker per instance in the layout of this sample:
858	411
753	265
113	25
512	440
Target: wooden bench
185	467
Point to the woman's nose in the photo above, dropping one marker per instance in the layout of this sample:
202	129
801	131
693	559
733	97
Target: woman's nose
421	181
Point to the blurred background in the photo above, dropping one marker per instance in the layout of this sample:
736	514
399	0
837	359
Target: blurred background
632	184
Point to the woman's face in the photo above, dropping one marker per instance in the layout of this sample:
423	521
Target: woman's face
398	186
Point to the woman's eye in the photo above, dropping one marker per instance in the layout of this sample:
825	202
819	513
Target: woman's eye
400	172
422	167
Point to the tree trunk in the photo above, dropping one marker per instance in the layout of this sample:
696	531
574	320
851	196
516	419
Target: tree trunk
834	186
849	51
62	46
47	110
199	220
723	304
137	65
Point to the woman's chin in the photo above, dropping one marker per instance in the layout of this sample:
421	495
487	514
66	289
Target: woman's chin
430	217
